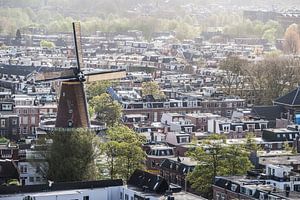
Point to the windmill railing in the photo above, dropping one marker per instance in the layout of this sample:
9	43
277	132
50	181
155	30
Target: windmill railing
49	126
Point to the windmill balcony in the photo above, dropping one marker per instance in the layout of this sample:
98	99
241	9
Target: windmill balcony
49	126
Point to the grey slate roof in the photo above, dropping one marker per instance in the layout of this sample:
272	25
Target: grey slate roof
292	98
268	112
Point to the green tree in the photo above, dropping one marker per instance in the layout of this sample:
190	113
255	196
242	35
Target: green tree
47	44
97	88
123	150
288	147
71	156
152	88
250	145
216	159
106	109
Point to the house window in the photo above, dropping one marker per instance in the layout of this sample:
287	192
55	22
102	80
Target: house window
126	197
250	127
2	123
184	140
263	126
38	179
86	198
25	120
70	123
33	120
14	122
23	169
6	107
31	179
243	190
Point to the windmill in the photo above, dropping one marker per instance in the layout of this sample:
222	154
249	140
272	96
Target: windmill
72	107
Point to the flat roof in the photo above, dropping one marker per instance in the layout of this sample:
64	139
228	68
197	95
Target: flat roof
185	160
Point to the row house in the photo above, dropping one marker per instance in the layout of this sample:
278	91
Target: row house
175	171
30	112
247	189
154	110
278	183
200	120
236	128
276	137
8	151
9	126
32	165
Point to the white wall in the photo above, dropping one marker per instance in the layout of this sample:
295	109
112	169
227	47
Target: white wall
110	193
31	172
166	117
131	193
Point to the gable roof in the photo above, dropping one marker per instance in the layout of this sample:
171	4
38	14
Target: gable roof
292	98
152	182
8	170
268	112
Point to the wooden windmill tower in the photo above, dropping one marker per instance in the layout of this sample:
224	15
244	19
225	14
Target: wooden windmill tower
72	108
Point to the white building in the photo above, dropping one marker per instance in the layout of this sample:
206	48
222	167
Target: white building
281	177
96	190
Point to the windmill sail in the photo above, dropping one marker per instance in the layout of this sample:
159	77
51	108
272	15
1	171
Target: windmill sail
68	74
105	75
78	47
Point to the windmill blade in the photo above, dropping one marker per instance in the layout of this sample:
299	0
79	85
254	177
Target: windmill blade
78	47
68	74
105	75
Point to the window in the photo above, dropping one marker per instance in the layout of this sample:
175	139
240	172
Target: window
184	140
251	127
31	179
126	197
70	123
86	198
25	120
6	107
250	192
32	120
2	123
263	126
38	179
38	169
23	169
14	122
233	187
121	195
243	190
